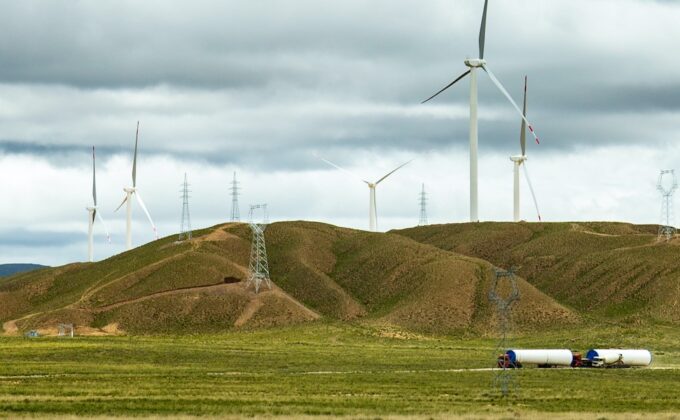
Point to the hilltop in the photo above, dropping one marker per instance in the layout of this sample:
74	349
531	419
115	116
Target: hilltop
320	272
616	271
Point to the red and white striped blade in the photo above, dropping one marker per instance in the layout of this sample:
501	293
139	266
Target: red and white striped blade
148	216
514	104
101	219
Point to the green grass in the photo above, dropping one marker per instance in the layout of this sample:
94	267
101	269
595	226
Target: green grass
321	369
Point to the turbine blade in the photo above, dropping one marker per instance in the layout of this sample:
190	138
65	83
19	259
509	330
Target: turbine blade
482	31
375	208
393	171
523	133
94	214
94	180
531	188
514	104
447	86
134	159
343	170
121	204
101	219
148	216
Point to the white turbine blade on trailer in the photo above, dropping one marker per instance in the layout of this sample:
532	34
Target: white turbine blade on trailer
343	170
143	206
121	204
393	171
514	104
531	188
106	230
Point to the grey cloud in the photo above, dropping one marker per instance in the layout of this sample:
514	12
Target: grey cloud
210	44
236	82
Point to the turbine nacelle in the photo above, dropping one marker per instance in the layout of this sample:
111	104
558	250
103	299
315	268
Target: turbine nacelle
518	159
475	62
130	189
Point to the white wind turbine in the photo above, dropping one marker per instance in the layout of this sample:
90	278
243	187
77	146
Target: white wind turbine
474	64
92	213
129	193
520	160
372	206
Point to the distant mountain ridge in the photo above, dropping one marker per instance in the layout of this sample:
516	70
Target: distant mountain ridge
9	269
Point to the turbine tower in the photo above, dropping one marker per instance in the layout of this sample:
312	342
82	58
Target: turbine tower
423	207
520	160
259	267
474	64
134	192
235	216
185	226
372	206
666	228
92	213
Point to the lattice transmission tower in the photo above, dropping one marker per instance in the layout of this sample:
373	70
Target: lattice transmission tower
185	224
235	213
423	207
666	228
504	294
259	267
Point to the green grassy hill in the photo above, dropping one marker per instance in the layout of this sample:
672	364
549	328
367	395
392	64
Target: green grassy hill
319	271
613	270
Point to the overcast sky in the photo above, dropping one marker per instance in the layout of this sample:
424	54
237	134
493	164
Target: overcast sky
262	87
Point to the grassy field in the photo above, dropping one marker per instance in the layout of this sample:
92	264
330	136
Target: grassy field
325	369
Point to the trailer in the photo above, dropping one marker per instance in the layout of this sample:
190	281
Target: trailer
544	358
595	358
609	358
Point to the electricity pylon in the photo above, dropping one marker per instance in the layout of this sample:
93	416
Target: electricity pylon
235	214
185	226
423	207
666	228
504	293
259	267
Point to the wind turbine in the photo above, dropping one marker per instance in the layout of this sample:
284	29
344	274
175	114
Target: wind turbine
129	193
520	160
92	213
372	207
474	64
